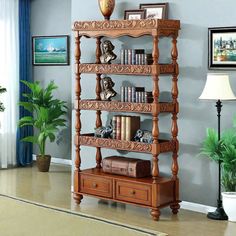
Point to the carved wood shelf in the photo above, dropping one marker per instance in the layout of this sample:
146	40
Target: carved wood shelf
152	192
117	106
161	147
133	28
163	69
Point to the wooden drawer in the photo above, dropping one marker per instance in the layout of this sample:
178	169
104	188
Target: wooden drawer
95	185
132	192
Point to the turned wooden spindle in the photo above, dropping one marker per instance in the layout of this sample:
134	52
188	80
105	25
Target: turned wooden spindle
175	92
77	97
98	97
155	92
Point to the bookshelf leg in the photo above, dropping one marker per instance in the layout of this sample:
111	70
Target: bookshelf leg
175	207
78	197
155	213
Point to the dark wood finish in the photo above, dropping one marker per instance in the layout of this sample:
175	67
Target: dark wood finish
152	192
98	97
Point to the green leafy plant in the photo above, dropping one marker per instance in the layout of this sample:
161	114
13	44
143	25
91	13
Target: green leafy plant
47	114
2	90
223	151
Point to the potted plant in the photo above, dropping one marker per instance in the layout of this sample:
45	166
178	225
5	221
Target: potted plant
225	152
2	90
47	118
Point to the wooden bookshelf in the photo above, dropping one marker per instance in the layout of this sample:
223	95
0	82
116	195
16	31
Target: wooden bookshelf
155	191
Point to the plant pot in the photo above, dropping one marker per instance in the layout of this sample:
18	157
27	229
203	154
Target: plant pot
229	204
43	162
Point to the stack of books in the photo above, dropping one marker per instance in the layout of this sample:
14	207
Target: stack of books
135	57
125	127
135	94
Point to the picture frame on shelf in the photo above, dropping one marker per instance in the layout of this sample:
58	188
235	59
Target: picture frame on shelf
136	14
155	10
50	50
222	48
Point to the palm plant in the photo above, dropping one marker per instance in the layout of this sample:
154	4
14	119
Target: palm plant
2	90
223	151
47	114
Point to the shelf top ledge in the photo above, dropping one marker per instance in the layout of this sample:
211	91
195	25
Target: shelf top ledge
126	25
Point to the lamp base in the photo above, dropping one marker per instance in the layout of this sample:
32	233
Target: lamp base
218	214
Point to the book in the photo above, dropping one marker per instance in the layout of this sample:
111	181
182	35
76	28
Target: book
129	56
132	124
129	94
148	97
132	94
114	126
125	94
125	56
123	127
122	56
122	94
118	127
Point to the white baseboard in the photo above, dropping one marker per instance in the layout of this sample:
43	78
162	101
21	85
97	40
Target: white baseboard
191	206
57	160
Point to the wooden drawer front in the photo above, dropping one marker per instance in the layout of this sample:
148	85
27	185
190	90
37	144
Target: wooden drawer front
136	193
97	186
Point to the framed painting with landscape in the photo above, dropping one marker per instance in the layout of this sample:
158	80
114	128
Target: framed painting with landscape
222	48
50	50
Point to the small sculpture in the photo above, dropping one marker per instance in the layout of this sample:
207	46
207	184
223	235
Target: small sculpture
107	52
108	92
143	136
103	132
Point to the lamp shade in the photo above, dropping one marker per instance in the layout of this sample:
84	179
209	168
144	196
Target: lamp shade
217	87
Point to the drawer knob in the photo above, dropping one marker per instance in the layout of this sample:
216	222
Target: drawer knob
95	185
133	192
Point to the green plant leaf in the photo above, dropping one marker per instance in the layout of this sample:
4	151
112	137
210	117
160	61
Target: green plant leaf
31	139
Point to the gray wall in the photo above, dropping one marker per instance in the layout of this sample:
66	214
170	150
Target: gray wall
198	176
54	18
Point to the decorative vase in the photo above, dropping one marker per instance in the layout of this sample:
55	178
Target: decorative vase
43	162
106	8
229	204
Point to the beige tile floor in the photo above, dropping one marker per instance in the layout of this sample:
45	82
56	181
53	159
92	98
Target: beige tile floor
54	189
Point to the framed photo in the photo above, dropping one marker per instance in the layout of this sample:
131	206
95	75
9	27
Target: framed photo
134	14
222	48
50	50
155	10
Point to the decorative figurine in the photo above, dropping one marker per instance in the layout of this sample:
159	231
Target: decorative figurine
103	132
107	87
143	136
107	52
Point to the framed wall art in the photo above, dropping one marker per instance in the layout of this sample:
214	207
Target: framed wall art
50	50
155	10
222	48
134	14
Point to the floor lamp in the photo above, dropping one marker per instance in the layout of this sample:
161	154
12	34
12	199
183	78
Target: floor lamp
218	88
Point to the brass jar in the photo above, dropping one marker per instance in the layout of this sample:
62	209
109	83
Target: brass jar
106	8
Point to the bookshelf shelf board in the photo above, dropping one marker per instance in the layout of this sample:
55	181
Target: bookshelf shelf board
161	147
117	106
119	69
133	28
147	180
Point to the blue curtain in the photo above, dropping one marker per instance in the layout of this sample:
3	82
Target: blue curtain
24	149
